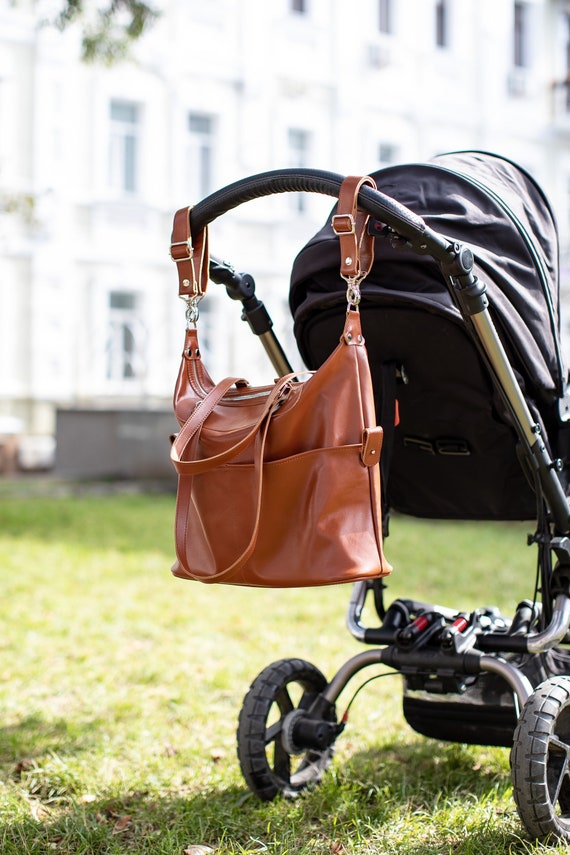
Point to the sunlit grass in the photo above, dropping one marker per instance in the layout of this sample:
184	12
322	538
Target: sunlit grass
120	688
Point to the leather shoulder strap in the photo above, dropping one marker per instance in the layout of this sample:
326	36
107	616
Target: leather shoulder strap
192	427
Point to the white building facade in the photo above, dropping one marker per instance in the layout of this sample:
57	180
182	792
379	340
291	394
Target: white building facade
94	161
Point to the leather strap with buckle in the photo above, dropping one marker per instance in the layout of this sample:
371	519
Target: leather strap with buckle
350	224
191	255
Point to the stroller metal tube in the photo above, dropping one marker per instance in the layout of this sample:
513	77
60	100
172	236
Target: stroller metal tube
348	670
354	611
498	358
275	353
553	492
469	663
384	634
521	685
556	629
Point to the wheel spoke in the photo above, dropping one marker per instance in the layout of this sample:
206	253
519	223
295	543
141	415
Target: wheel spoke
306	700
284	702
273	732
281	762
562	746
564	796
557	767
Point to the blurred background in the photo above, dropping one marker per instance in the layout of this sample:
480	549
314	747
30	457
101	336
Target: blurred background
100	146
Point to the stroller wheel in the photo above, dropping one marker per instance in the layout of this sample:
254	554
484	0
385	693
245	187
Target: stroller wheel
270	761
540	761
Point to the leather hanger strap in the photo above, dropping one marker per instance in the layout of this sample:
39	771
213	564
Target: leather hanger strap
350	224
191	255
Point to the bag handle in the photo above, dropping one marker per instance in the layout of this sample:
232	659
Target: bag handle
185	494
257	435
193	425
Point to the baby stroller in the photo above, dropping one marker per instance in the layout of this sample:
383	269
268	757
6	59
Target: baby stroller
461	319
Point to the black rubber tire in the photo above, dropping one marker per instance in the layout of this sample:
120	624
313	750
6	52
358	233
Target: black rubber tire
540	761
268	768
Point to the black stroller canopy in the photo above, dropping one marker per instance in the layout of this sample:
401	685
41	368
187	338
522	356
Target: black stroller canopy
495	208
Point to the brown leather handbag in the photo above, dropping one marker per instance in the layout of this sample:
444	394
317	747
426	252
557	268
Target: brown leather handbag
279	486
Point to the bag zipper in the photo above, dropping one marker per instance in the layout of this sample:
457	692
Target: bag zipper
250	397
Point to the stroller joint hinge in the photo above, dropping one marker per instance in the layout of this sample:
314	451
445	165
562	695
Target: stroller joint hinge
461	263
471	296
561	548
469	290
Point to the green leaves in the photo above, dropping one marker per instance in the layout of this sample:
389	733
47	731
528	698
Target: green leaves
107	32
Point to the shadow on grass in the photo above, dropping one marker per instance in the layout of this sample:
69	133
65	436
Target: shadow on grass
431	769
357	802
34	737
141	824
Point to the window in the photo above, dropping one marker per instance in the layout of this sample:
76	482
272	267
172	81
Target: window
126	338
124	146
385	16
387	153
567	60
520	35
298	146
299	143
200	154
441	23
561	86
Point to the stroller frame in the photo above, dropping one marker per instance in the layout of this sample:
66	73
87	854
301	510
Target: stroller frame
435	648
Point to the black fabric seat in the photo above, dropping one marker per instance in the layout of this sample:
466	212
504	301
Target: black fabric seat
454	452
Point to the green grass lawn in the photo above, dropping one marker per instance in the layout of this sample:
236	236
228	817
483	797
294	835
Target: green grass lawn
120	688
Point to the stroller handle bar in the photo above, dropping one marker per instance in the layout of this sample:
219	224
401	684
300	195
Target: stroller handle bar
391	212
